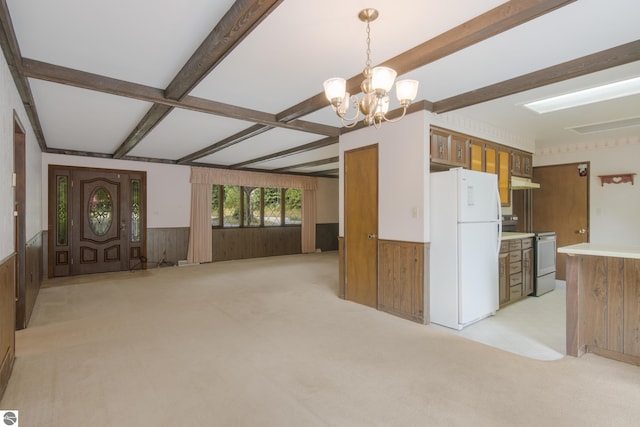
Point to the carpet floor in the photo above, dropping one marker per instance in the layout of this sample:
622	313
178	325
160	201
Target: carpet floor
267	342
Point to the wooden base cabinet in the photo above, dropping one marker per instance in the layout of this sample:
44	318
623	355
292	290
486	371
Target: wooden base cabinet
515	270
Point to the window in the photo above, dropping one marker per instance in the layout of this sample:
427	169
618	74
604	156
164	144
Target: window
240	206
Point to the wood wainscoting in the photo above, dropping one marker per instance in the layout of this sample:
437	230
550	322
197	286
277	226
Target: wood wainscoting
166	246
403	279
341	268
248	242
7	320
33	276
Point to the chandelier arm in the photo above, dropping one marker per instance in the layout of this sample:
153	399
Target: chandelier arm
404	112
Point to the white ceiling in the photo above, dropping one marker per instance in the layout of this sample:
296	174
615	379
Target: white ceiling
286	58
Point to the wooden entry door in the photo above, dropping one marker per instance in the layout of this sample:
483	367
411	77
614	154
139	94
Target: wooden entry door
361	225
96	220
561	204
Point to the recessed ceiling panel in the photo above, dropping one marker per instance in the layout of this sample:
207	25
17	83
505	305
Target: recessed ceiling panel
184	132
141	41
308	156
302	43
269	142
84	120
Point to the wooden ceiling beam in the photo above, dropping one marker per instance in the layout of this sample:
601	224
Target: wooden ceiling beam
68	76
495	21
309	164
235	25
9	44
588	64
290	152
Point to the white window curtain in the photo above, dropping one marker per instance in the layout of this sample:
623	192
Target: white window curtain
200	244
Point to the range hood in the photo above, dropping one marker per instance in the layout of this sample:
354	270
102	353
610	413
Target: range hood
518	183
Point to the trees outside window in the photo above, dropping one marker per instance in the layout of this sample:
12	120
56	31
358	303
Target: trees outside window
240	206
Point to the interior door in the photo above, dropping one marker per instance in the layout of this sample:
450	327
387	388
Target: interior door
361	225
561	204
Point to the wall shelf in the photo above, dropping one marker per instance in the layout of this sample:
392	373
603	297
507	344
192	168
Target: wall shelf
616	179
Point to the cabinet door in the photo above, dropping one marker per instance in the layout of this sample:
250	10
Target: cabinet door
458	151
503	275
527	165
491	159
504	178
516	163
477	156
439	146
527	271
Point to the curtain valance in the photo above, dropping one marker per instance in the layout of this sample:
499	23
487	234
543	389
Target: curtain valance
200	175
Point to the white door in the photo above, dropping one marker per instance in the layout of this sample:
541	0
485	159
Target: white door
478	196
477	270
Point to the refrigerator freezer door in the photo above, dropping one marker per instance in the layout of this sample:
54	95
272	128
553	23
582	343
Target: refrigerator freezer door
478	196
477	271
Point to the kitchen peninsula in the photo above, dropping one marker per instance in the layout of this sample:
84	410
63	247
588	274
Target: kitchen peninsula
603	301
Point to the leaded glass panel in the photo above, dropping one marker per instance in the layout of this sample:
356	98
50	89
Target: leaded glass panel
135	211
62	211
100	211
293	206
251	205
272	211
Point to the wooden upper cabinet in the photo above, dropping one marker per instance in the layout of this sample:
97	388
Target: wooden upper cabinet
490	158
504	177
522	164
476	151
449	149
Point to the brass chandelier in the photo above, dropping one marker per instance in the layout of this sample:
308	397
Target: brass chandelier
375	87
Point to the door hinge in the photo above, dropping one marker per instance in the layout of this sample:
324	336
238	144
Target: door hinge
72	223
71	261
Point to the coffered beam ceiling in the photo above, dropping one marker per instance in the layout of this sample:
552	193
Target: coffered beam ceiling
241	19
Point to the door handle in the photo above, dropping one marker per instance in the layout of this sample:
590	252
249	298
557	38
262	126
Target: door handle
371	236
582	231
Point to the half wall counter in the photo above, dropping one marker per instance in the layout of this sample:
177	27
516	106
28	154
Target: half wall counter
603	301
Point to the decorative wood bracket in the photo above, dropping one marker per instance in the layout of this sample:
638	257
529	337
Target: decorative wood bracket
616	179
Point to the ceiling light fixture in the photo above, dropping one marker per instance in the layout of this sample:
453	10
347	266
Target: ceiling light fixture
375	87
586	96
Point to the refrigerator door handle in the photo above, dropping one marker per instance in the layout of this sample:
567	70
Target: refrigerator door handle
499	239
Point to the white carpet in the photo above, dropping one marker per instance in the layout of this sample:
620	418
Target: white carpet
267	342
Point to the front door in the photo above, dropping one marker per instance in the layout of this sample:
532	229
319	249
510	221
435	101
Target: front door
361	225
561	204
98	220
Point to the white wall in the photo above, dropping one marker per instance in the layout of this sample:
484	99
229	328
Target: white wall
403	176
168	188
9	102
327	201
614	209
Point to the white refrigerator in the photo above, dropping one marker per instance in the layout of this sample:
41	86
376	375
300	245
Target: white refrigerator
466	224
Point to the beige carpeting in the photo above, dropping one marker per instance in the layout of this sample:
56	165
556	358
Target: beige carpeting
267	342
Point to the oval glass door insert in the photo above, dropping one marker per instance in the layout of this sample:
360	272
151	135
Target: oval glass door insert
100	211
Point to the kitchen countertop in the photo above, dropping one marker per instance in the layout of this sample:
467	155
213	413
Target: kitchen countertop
597	249
509	235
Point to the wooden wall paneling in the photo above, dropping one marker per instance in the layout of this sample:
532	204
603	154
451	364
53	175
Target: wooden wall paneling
327	236
33	279
168	244
243	243
401	279
7	320
615	305
341	267
593	308
632	307
574	345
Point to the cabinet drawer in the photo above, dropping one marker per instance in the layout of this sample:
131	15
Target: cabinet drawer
515	267
515	279
515	245
515	256
527	243
504	247
515	292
